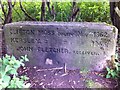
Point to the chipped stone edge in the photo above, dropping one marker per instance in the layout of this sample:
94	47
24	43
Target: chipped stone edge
104	63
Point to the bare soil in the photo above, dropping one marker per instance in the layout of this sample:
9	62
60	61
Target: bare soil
60	78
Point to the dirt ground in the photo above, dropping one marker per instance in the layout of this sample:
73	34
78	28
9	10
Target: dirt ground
61	78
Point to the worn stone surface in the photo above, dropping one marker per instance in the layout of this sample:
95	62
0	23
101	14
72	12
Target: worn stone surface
1	42
55	44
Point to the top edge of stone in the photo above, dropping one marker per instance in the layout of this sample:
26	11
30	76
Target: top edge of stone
55	23
101	25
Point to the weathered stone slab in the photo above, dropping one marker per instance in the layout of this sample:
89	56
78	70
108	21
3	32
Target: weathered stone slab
51	44
1	42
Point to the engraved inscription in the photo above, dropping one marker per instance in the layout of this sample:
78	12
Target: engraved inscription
22	32
47	44
103	42
56	50
74	33
21	48
100	34
53	50
86	53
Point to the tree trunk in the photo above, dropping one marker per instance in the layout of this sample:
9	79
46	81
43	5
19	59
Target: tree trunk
8	18
43	11
116	22
114	16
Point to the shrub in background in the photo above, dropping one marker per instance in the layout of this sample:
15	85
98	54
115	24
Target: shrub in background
89	11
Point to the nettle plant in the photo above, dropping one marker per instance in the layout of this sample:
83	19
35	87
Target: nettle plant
113	71
9	77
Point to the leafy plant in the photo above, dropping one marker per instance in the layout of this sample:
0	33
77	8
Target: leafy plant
8	72
89	11
113	72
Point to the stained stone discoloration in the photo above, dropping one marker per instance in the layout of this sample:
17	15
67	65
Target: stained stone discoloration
78	45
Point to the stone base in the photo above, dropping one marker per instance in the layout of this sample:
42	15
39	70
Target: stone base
76	45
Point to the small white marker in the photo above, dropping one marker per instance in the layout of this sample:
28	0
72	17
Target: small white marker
49	61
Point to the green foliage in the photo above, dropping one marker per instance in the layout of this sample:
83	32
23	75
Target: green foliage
63	11
113	73
94	12
89	11
32	8
9	66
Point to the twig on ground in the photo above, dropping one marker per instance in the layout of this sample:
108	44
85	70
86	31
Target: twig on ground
65	69
39	70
